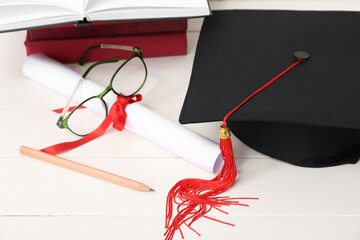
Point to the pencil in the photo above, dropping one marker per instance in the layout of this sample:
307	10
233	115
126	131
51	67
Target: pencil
78	167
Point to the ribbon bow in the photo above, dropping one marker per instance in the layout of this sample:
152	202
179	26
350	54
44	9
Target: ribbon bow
117	116
117	111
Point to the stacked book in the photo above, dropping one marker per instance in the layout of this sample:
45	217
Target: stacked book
68	43
158	27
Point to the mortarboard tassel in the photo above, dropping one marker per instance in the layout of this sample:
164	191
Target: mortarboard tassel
196	197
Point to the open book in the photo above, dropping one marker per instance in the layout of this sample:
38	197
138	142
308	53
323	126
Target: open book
25	14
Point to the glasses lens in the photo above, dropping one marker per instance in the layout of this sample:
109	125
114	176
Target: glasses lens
83	120
130	77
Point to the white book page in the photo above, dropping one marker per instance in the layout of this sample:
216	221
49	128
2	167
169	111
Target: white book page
141	9
19	14
71	5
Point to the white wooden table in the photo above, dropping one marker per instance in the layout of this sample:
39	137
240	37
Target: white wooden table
41	201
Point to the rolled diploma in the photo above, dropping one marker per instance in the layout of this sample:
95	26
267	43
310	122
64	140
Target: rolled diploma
140	120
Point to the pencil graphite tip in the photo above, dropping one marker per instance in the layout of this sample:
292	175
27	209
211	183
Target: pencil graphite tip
151	190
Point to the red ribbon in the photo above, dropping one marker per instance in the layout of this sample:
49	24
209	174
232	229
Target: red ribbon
117	116
59	110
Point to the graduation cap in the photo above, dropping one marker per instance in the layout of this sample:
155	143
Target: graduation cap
310	117
287	84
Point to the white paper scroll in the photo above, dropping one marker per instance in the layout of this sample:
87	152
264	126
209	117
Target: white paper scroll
140	120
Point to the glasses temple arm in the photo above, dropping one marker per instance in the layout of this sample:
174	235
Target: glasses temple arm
83	58
108	46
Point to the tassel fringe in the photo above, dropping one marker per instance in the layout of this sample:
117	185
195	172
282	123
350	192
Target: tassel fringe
196	197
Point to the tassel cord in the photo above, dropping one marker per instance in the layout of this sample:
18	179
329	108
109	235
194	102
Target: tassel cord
260	89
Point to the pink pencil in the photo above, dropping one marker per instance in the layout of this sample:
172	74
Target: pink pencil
78	167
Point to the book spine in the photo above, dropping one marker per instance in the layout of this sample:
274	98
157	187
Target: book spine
71	50
108	29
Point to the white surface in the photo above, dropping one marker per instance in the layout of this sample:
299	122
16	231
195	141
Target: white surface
40	201
142	121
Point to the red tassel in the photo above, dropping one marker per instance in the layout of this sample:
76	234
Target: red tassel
196	197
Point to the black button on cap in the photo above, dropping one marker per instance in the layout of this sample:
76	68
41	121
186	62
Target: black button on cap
301	55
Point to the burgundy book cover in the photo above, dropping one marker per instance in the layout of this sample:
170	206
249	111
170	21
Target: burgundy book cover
158	40
108	29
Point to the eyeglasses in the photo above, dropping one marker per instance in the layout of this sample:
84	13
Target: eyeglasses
126	81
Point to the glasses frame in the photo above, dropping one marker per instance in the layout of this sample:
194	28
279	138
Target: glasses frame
63	119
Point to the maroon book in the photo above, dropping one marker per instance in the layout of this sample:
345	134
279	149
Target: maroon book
68	43
108	29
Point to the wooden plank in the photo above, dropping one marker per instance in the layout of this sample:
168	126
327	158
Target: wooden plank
152	227
284	190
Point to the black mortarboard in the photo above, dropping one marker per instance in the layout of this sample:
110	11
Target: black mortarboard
310	116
